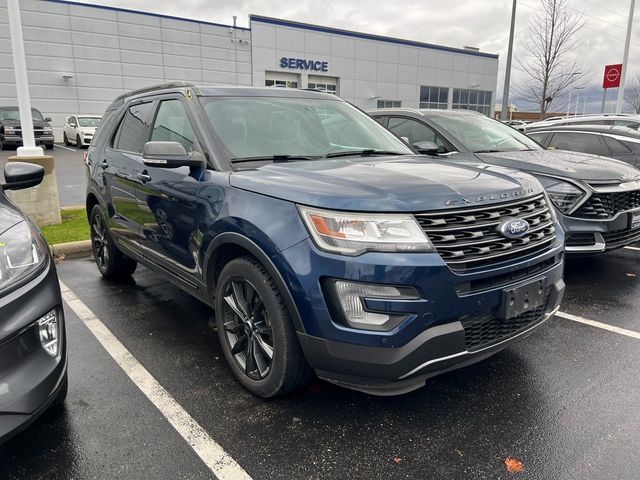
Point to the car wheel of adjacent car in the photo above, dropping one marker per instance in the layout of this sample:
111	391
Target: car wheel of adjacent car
78	142
49	146
2	145
256	332
111	262
65	139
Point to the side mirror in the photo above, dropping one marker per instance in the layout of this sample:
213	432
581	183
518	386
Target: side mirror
19	175
47	119
169	155
72	125
428	148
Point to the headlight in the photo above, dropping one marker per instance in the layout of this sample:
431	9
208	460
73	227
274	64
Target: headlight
10	130
47	130
22	252
356	233
564	195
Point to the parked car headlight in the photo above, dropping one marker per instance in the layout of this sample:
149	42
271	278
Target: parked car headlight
22	252
564	195
9	130
357	233
47	130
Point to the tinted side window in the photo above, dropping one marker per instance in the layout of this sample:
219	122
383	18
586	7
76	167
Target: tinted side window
103	127
579	142
417	131
134	128
539	137
617	147
173	125
627	123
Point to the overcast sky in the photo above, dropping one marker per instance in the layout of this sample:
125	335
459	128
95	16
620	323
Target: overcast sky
456	23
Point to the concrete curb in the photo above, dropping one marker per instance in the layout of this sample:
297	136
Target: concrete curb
73	207
72	249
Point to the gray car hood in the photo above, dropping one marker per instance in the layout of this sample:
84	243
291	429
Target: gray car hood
575	165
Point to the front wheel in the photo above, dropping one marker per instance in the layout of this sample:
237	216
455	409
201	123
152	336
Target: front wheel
65	139
78	142
256	332
48	146
111	262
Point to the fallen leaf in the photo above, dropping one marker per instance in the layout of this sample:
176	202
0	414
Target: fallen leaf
397	459
514	465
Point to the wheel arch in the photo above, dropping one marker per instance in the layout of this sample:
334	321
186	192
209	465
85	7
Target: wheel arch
229	245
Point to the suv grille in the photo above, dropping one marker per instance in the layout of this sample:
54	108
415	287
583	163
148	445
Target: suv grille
482	331
607	205
468	238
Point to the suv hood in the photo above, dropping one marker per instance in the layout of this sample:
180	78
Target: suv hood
16	123
575	165
386	184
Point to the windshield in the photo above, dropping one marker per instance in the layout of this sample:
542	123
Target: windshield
295	127
12	113
88	121
478	133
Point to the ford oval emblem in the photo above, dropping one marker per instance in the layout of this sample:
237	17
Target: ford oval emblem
514	228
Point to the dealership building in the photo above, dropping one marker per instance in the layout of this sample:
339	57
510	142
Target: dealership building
80	57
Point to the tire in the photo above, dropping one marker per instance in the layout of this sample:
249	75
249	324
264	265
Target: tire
78	142
111	262
2	145
48	146
65	139
244	285
62	394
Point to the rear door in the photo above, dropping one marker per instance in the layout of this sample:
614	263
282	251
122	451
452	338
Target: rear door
123	151
623	150
580	142
167	199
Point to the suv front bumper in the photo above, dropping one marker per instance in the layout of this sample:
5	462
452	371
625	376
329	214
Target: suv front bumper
437	335
16	140
585	236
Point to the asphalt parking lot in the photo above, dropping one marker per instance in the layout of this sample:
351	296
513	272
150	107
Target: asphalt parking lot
70	173
563	402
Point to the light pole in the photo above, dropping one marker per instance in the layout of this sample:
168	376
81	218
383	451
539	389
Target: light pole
504	115
625	58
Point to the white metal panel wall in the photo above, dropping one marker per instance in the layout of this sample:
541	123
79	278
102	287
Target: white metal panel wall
109	51
369	69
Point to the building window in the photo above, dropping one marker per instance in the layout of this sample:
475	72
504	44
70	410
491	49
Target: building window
281	83
324	87
389	104
467	99
434	97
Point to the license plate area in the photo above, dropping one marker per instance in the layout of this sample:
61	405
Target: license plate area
521	299
634	219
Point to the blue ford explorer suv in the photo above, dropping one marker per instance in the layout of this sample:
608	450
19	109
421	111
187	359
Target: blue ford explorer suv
321	240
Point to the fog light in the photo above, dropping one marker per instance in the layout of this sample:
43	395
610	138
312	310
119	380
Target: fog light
351	297
49	329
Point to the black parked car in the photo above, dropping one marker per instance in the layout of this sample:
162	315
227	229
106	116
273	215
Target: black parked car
616	142
33	354
597	198
11	131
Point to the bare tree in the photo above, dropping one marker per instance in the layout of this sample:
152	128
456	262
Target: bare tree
549	66
632	93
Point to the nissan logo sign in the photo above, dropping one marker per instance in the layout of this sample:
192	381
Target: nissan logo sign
514	228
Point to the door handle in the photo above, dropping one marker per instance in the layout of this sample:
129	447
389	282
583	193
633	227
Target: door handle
104	164
143	177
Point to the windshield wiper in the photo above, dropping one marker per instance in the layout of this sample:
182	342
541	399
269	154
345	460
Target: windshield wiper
488	151
274	158
362	153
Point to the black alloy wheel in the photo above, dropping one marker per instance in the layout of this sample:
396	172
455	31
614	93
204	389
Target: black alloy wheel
248	328
111	262
256	332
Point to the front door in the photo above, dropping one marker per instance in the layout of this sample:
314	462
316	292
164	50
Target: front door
167	199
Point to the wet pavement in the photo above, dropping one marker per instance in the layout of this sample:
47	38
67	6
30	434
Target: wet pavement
70	173
563	401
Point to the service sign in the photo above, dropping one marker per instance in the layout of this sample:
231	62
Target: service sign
612	74
303	64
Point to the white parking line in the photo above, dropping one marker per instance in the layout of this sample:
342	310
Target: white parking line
604	326
632	248
212	454
66	148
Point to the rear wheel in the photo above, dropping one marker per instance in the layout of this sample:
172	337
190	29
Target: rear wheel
256	332
111	262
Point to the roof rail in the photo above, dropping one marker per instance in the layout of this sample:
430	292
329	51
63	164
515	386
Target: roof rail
160	86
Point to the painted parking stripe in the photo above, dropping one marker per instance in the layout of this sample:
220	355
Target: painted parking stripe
66	148
604	326
632	248
212	454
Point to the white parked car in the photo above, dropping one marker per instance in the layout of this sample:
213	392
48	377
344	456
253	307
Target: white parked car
79	129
